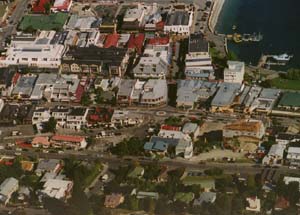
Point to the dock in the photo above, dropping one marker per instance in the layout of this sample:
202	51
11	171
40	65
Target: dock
263	61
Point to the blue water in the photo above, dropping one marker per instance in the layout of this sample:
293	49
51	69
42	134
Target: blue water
277	20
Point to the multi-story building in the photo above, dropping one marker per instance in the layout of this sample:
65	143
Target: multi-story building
60	113
179	21
293	156
40	115
235	72
7	188
77	118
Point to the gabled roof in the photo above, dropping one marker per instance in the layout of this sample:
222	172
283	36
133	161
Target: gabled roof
68	138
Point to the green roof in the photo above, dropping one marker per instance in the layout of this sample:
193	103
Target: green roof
291	99
44	22
184	197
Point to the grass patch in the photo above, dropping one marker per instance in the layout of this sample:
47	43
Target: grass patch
285	84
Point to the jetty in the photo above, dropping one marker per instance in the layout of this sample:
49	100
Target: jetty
238	38
264	61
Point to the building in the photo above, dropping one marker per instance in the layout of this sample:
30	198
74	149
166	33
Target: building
235	72
61	5
205	197
7	188
43	85
77	118
106	61
67	141
266	100
226	97
192	92
293	156
125	117
84	23
290	101
275	155
288	179
41	52
134	17
198	63
59	189
155	93
40	141
253	204
286	138
136	42
40	115
179	21
113	200
191	129
60	113
50	166
253	129
38	6
24	87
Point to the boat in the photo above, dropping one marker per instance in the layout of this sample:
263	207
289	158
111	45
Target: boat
237	38
282	58
234	27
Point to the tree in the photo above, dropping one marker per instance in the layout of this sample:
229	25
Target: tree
47	7
50	126
231	56
85	99
238	205
133	146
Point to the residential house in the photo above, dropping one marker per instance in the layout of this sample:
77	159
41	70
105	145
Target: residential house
126	117
275	155
253	204
48	165
191	129
113	200
40	115
58	189
67	141
7	188
77	118
205	197
293	156
40	141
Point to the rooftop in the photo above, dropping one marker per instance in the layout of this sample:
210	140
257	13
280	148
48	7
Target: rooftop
242	125
178	18
67	138
291	99
226	94
197	43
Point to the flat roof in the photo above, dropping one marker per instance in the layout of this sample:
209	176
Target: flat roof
226	94
197	43
291	99
178	18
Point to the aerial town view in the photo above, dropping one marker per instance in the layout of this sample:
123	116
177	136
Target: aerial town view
139	107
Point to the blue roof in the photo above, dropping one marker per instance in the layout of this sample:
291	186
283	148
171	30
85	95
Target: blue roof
156	146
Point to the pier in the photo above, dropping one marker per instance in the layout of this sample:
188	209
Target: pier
263	61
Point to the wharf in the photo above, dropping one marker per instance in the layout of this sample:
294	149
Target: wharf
263	61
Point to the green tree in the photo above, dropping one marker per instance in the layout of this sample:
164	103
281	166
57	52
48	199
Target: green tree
50	126
85	99
47	7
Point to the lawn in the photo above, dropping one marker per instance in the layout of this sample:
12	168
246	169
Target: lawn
285	84
53	21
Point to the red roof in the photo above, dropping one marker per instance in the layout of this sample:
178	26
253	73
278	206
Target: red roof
16	78
136	42
67	138
23	144
160	25
38	6
79	92
159	41
170	128
62	4
111	40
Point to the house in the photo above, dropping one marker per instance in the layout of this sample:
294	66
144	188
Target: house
41	52
38	6
56	188
67	141
225	97
179	21
293	156
40	115
235	72
48	165
286	138
137	172
82	23
288	179
126	117
27	165
77	118
60	113
290	101
205	197
106	61
191	129
61	5
275	155
281	204
253	204
198	63
113	200
40	141
136	42
192	92
206	184
253	129
24	86
7	188
185	197
134	17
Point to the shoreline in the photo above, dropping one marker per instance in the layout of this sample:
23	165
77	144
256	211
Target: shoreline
215	13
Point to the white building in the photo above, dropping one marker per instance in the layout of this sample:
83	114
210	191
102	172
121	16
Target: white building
125	117
235	72
155	93
40	53
179	22
61	5
293	156
77	118
275	155
59	189
60	113
40	115
254	204
288	179
7	188
135	14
